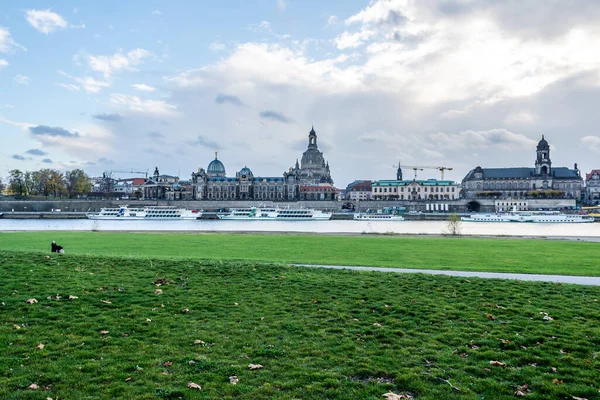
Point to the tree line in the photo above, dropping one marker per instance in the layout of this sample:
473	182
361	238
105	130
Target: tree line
46	182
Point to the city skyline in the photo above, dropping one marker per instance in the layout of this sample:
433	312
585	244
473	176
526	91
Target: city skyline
454	83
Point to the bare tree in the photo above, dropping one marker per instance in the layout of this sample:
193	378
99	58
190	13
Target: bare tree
453	225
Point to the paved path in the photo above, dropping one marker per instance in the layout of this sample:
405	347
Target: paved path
578	280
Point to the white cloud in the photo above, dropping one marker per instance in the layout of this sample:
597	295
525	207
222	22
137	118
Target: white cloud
7	44
143	87
281	5
21	79
144	106
45	21
89	84
108	65
69	86
593	142
93	142
216	46
332	20
3	63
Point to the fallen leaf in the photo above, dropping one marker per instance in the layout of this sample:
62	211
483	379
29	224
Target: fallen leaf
185	310
557	381
255	366
553	369
33	386
497	364
191	362
377	324
235	304
262	318
518	393
504	341
167	363
197	341
31	301
562	351
103	332
127	379
73	297
578	398
40	346
106	301
158	291
125	334
491	317
233	380
16	327
193	385
148	320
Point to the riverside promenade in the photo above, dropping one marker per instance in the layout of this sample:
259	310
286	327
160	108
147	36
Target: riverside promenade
577	280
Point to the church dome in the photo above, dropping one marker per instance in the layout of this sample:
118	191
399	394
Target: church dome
216	167
543	144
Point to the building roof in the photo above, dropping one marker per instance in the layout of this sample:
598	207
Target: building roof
138	181
594	171
522	173
359	186
428	182
215	167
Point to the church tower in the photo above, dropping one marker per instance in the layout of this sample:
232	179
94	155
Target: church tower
543	165
399	173
313	168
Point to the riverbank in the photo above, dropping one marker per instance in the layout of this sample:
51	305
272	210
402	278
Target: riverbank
532	256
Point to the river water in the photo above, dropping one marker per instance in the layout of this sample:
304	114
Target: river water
590	231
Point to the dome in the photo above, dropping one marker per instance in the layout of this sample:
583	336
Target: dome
244	172
543	144
216	167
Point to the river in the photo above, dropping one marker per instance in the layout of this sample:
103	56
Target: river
582	231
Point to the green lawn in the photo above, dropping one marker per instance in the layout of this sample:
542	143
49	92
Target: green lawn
467	254
318	333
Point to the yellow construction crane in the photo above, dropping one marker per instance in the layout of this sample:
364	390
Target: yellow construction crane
416	168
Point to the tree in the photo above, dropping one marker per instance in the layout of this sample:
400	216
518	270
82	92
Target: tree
77	182
57	183
16	181
1	186
453	226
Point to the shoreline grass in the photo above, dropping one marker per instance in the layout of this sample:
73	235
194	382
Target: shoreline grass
443	253
318	333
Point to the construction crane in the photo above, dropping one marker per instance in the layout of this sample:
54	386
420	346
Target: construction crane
416	168
131	172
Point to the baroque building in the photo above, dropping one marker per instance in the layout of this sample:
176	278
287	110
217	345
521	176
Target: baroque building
310	180
592	186
543	180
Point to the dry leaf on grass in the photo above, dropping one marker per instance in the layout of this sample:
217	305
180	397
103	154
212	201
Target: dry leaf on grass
491	317
73	297
167	363
197	341
31	301
148	320
255	366
158	291
557	381
497	364
106	301
578	398
33	386
377	324
40	346
233	380
127	379
518	393
553	369
193	385
394	396
103	332
16	327
185	310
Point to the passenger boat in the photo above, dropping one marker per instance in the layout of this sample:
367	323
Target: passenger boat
145	213
377	217
547	217
275	213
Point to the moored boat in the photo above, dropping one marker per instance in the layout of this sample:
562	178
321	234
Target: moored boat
547	217
144	213
275	213
377	217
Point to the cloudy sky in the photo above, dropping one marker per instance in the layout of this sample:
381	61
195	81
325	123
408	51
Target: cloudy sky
115	85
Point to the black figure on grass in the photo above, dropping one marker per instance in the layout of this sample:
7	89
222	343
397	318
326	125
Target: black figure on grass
56	248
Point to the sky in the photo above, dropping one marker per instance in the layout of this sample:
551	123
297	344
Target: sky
134	85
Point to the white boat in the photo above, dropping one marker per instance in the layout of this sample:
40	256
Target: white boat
275	213
547	217
145	213
377	217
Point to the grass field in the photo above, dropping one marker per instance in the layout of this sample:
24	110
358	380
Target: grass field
466	254
318	333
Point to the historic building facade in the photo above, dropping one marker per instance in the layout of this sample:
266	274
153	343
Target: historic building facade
541	181
430	189
592	186
295	184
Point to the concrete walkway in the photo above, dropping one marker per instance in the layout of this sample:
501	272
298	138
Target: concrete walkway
578	280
